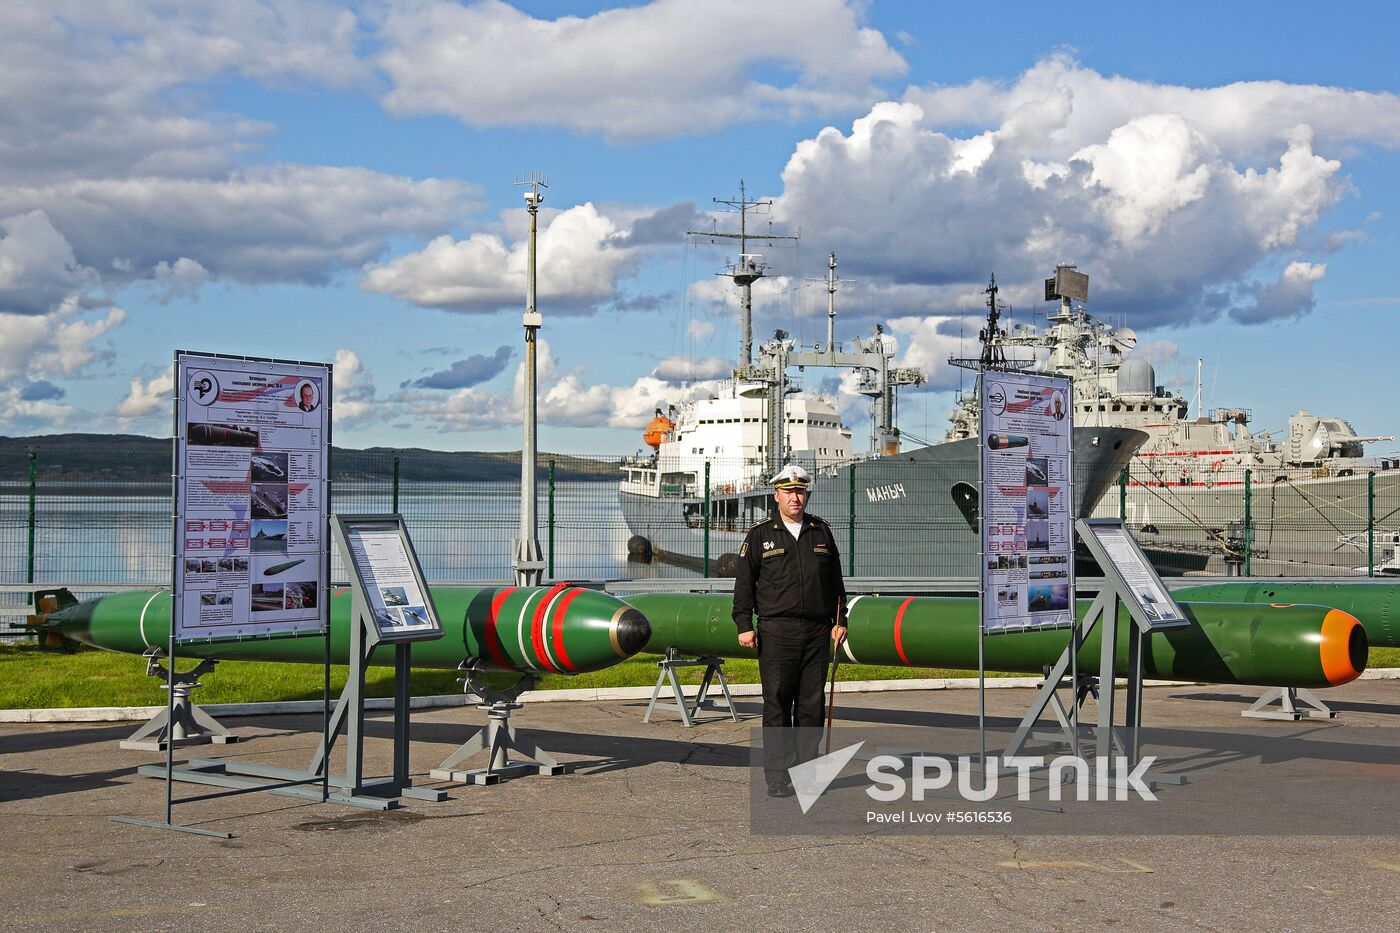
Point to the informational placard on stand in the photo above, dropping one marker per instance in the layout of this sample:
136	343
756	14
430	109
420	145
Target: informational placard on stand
1138	584
378	550
1027	541
252	459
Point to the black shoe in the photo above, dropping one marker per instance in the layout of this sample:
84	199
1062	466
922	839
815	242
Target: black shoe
779	789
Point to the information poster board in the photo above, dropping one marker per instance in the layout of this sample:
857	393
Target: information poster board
1150	603
1027	537
251	496
386	568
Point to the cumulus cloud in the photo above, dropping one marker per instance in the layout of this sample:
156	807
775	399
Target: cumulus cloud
19	415
107	135
38	270
145	398
566	398
471	371
1170	198
284	223
699	329
88	89
180	280
579	264
354	388
60	343
683	369
663	69
662	227
929	345
1290	296
1058	106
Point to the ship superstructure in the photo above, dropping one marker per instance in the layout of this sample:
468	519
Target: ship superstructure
1187	483
1114	389
907	514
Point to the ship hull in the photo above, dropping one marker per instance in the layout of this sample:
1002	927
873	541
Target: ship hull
915	513
1312	526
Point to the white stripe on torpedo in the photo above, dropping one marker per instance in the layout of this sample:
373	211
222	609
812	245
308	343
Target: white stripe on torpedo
144	639
846	645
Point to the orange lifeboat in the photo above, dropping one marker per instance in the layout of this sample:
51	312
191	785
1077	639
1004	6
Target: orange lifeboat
657	430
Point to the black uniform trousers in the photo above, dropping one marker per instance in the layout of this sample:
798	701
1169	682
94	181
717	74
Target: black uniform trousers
792	659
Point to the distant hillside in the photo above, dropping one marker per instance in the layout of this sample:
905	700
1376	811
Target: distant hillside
128	458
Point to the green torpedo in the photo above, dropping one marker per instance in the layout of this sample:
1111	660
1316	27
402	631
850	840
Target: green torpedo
1376	605
1226	643
562	629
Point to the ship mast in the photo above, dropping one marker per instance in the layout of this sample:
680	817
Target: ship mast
830	301
750	267
992	338
878	378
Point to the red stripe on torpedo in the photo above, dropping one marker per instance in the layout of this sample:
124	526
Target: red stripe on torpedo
898	624
556	632
494	649
537	627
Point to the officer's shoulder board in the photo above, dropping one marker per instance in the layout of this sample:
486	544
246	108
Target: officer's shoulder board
744	548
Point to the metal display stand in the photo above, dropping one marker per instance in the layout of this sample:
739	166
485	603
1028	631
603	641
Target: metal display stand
1129	579
498	739
378	551
181	716
369	628
181	723
1288	700
714	673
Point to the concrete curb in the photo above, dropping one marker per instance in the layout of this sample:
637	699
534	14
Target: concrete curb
591	695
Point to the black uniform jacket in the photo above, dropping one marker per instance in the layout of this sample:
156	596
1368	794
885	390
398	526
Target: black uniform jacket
780	578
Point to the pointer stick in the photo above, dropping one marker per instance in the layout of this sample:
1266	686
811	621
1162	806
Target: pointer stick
831	700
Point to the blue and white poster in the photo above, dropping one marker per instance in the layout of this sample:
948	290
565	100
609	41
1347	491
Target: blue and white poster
251	496
1027	528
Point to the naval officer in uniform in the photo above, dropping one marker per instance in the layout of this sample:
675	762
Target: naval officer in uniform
790	577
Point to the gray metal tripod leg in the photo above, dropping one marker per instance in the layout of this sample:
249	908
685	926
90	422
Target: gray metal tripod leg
1288	700
470	747
191	725
665	677
498	739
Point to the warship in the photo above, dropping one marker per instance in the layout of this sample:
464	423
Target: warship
915	511
1187	486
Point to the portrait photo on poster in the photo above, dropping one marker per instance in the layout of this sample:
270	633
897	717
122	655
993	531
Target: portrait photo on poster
308	395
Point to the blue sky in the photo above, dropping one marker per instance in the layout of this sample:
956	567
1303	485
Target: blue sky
321	181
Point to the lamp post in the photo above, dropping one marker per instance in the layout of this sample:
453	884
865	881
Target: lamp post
527	563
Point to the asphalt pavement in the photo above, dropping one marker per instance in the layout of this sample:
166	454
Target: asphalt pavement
653	831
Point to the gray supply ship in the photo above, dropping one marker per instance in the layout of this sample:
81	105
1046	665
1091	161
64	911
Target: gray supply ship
915	511
1186	493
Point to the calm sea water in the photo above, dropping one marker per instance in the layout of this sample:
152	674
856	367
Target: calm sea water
462	531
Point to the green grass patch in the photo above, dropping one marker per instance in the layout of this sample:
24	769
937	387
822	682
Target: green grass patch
35	679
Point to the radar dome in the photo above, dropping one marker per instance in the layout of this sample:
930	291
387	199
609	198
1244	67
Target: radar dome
1136	377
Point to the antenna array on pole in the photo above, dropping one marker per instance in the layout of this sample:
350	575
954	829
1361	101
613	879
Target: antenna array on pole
993	352
750	267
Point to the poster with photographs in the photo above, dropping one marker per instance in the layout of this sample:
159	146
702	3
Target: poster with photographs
389	576
252	454
1027	528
